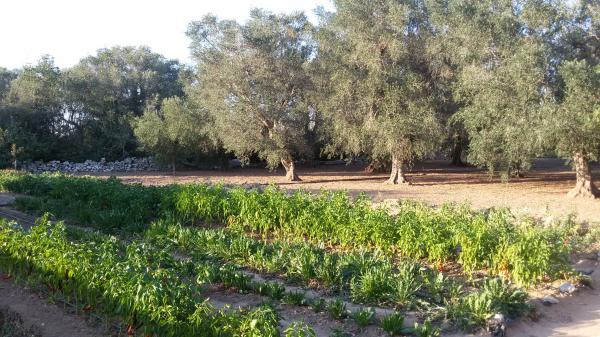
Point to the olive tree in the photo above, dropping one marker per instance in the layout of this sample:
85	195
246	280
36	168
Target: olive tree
254	79
174	131
106	91
502	58
31	113
576	123
379	101
574	126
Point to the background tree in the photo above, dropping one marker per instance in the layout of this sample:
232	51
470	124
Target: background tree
6	76
379	103
254	79
174	132
106	91
32	110
503	64
574	126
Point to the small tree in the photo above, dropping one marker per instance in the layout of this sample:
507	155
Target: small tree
254	79
174	131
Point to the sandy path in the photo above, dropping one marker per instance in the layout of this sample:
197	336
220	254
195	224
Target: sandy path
574	316
542	193
40	316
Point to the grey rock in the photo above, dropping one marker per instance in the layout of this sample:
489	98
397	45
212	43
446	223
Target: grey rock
567	288
497	325
549	300
128	164
234	163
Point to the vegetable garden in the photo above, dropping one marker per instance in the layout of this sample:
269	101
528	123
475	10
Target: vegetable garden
156	252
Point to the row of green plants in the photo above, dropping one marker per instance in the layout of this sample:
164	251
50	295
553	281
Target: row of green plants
493	240
364	277
155	294
216	256
143	286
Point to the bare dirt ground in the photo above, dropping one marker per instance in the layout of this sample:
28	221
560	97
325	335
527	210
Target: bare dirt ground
575	316
541	193
37	316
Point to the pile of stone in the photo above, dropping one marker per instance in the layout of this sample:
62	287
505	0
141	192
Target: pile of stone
125	165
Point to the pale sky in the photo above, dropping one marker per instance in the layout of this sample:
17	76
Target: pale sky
72	29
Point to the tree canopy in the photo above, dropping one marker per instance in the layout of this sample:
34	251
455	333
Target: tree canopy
497	82
380	101
254	79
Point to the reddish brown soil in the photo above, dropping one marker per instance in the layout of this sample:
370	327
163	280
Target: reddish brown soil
36	314
542	193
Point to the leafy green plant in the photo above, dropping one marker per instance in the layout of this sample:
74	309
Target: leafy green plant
294	298
337	309
426	330
274	290
406	284
318	304
299	329
393	324
363	317
372	286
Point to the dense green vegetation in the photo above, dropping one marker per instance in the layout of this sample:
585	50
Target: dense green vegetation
145	287
373	266
494	82
493	241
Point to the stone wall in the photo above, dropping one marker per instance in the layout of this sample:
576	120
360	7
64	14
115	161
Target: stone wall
125	165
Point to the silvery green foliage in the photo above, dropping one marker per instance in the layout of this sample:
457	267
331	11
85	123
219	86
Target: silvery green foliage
379	101
575	125
175	131
501	49
254	80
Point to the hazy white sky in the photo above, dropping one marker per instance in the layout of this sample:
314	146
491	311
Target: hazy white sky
72	29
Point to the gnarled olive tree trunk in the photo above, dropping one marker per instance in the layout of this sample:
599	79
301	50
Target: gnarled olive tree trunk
397	174
457	151
584	186
290	169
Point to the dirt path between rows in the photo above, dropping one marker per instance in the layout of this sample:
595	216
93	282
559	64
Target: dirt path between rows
574	316
542	193
39	316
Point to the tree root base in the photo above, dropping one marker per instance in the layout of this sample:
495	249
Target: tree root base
581	192
405	182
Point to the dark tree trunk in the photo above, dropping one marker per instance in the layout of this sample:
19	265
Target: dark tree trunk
397	174
457	151
290	170
584	186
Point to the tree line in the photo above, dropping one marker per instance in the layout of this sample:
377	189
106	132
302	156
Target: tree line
495	82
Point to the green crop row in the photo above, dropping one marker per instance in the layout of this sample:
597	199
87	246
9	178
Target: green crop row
153	293
493	240
143	286
366	278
